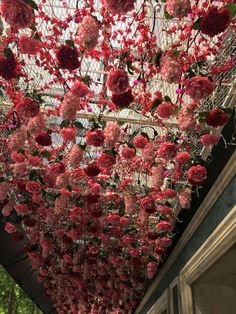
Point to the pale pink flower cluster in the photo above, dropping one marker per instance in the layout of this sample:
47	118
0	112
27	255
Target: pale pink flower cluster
157	176
112	133
60	204
18	138
75	156
178	8
170	69
130	204
149	152
70	106
63	179
4	188
184	197
19	169
186	119
37	123
88	32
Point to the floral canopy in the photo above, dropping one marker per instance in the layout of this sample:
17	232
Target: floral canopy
108	109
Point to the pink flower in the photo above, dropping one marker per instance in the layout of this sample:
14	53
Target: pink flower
170	70
197	174
118	81
164	225
130	204
29	45
149	152
92	170
88	32
186	119
178	8
17	157
95	138
151	269
182	158
22	209
106	160
37	123
69	107
157	176
165	110
4	188
199	87
216	117
140	141
184	196
68	134
120	6
10	228
75	156
210	139
167	150
27	108
111	133
169	193
80	89
33	187
18	138
17	13
128	153
19	169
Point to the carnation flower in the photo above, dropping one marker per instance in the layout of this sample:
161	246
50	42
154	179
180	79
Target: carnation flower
186	119
80	89
209	139
215	21
170	69
140	141
182	158
68	57
197	174
216	117
36	124
111	133
149	152
75	156
68	134
43	139
28	108
184	196
70	105
10	228
157	176
29	45
8	67
33	187
122	100
92	170
106	160
199	87
164	225
178	8
165	110
120	6
169	193
167	150
95	138
17	157
118	81
128	153
88	32
57	168
17	13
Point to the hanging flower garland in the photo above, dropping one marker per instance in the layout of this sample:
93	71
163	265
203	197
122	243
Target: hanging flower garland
99	199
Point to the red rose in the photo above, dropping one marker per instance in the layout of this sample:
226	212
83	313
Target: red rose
28	108
33	187
118	81
215	21
199	87
122	100
17	13
58	168
44	139
68	57
10	228
216	117
197	174
164	225
92	170
95	138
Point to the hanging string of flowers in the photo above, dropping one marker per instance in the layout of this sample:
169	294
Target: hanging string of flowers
98	199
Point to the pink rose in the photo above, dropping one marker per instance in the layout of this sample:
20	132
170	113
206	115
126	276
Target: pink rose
170	69
33	187
197	174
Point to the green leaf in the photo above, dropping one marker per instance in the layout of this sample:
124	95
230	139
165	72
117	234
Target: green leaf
197	23
156	103
2	179
33	28
167	15
145	135
70	43
36	36
177	53
7	52
64	124
78	125
232	8
45	154
168	99
32	4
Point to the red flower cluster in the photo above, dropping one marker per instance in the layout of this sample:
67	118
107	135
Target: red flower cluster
68	57
118	81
